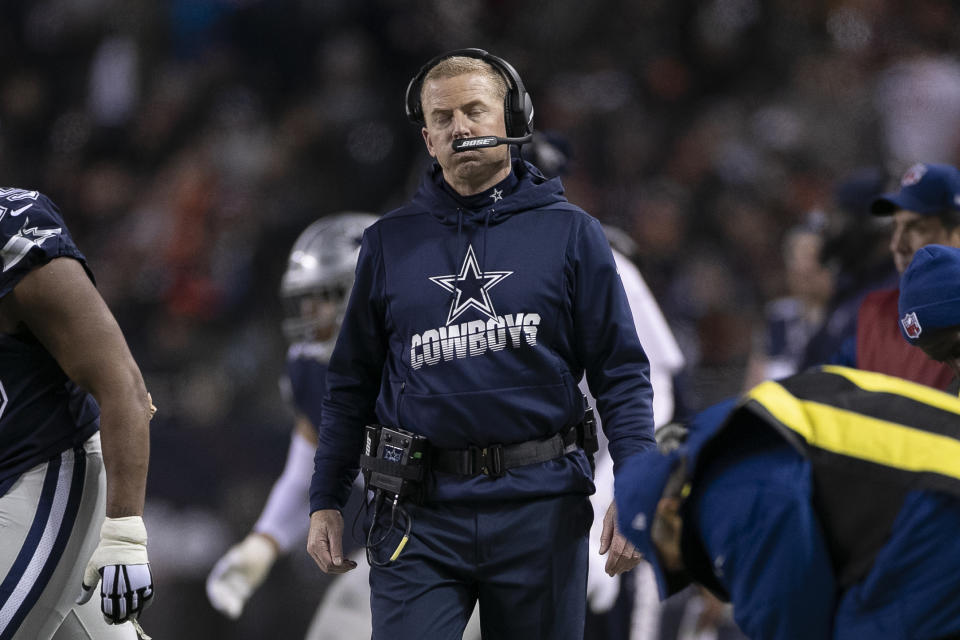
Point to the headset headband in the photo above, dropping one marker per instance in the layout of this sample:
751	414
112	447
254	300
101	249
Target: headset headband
517	107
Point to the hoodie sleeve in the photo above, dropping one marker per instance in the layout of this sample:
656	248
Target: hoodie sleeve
617	368
353	382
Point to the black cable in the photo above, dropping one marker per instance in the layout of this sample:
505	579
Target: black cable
356	517
372	546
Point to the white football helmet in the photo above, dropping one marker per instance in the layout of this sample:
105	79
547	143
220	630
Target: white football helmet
320	271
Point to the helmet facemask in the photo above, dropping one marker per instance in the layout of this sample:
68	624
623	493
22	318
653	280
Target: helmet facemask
315	314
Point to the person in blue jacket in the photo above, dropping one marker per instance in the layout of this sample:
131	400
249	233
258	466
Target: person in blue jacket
824	505
476	309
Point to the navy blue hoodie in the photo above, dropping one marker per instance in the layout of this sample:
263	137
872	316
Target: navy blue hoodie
471	322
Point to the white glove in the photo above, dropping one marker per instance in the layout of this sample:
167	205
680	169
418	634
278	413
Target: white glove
121	560
238	573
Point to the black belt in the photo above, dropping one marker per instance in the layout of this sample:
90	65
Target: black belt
494	460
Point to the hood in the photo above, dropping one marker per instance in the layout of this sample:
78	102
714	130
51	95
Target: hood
524	189
640	483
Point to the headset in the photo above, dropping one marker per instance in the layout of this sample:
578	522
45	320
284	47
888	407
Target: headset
517	106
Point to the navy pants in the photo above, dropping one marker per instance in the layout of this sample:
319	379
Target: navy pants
524	561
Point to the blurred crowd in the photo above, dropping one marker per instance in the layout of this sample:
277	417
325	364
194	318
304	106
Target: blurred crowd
188	142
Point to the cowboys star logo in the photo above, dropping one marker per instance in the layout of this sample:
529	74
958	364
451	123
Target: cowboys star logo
26	239
472	287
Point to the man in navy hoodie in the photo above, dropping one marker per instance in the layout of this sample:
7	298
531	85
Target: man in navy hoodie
476	310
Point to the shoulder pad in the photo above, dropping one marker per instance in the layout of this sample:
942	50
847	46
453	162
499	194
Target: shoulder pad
32	232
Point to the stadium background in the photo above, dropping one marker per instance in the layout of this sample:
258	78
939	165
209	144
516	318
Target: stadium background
189	141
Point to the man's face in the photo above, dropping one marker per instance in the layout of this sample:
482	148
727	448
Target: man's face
465	106
913	231
807	278
313	316
324	312
944	346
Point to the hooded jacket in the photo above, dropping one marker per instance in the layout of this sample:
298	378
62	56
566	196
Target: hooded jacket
471	321
823	505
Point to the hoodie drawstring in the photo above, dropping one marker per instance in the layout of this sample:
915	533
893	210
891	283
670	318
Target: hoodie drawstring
460	251
483	255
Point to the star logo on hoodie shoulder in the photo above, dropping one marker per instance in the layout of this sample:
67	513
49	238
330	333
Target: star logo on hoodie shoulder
472	287
497	195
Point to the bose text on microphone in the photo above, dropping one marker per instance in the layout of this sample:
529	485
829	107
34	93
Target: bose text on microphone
483	142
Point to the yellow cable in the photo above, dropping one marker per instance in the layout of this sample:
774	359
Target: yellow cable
400	547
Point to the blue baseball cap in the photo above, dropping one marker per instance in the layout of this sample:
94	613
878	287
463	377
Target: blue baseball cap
927	189
930	291
641	480
638	487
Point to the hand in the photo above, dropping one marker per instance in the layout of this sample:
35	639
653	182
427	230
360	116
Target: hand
715	613
239	572
121	560
602	590
325	541
623	555
153	408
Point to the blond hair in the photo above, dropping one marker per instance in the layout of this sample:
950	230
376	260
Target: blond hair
461	65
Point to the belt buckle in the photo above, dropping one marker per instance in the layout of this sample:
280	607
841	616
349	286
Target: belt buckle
491	461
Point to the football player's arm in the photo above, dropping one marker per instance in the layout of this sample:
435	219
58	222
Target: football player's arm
245	566
282	521
59	305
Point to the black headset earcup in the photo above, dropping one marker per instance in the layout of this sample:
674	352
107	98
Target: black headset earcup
519	117
413	108
522	116
508	118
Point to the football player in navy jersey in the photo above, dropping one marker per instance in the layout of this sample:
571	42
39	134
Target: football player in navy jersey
314	292
71	507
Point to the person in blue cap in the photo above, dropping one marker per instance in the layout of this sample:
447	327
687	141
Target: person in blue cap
823	505
925	210
929	304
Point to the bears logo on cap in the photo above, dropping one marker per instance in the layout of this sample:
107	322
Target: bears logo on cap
911	326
